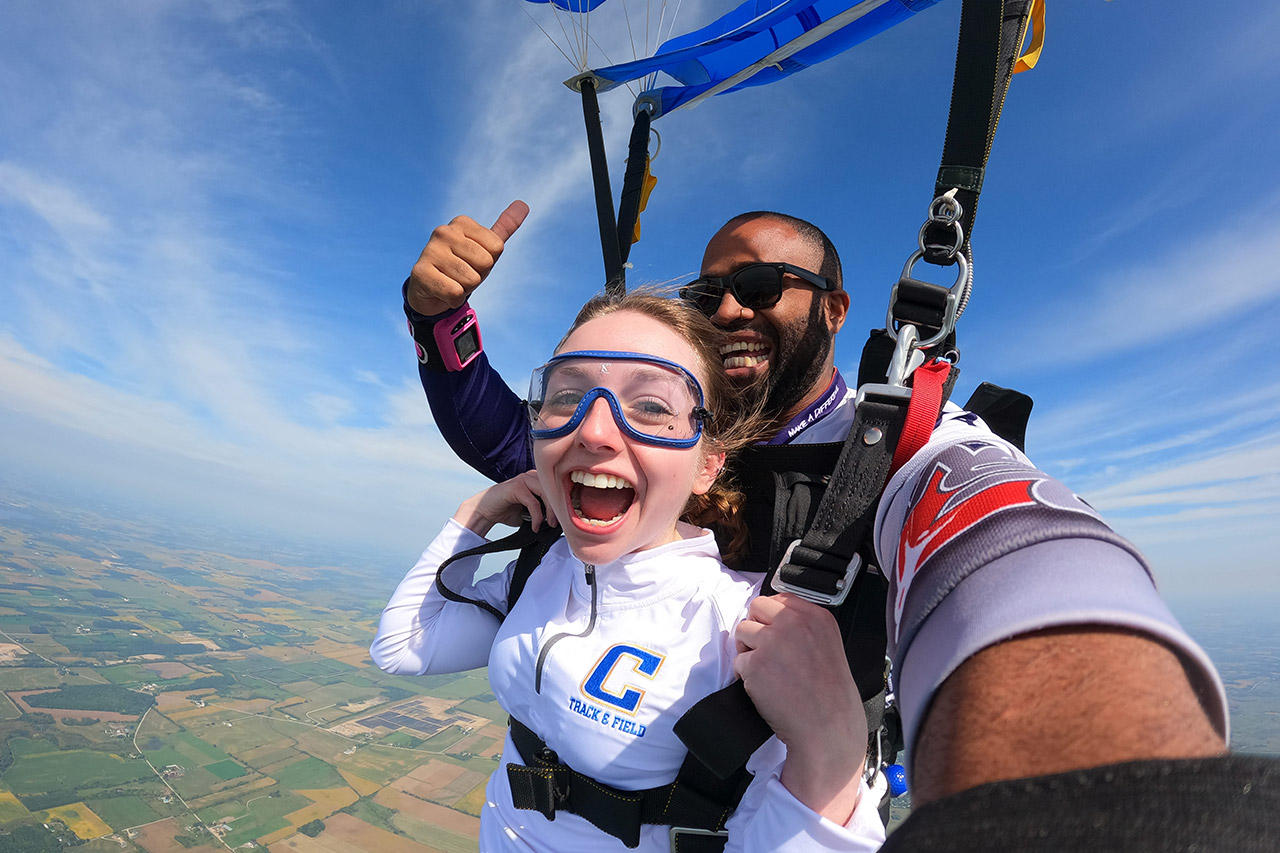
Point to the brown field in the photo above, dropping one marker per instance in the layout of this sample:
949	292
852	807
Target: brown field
11	651
168	669
158	838
189	711
105	716
424	780
342	652
345	834
166	702
473	801
430	813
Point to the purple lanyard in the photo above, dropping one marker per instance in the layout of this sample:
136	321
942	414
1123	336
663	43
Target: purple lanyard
818	410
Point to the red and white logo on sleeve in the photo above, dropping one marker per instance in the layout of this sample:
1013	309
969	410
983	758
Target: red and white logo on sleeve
968	484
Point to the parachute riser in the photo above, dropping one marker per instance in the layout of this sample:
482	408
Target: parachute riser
615	274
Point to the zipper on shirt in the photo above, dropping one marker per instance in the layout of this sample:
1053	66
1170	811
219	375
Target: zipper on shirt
590	572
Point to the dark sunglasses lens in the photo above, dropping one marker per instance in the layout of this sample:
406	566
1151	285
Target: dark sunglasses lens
758	286
703	294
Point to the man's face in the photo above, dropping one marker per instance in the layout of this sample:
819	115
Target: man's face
783	352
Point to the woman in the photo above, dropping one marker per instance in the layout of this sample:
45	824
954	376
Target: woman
629	619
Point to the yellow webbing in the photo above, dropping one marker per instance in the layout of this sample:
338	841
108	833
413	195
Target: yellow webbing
1035	20
646	187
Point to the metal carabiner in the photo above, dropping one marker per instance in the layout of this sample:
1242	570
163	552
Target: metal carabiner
950	311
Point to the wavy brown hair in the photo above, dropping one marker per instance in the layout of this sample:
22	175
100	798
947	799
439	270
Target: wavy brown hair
735	423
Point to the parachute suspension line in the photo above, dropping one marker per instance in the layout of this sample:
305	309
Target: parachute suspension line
652	79
626	14
615	275
554	43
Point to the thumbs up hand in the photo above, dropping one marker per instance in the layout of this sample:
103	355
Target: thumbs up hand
457	258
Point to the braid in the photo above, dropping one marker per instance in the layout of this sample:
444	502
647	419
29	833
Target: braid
720	509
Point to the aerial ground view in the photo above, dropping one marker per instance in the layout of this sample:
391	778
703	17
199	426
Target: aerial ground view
158	698
216	457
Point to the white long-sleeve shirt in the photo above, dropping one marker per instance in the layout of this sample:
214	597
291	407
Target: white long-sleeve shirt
609	697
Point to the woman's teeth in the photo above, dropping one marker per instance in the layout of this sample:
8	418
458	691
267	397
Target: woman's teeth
600	505
599	481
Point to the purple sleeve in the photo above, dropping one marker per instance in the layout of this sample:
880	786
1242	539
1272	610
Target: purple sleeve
479	416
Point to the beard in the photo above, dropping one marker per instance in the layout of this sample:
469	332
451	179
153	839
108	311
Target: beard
800	353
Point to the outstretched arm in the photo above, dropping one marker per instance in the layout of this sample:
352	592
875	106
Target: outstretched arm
1026	636
478	415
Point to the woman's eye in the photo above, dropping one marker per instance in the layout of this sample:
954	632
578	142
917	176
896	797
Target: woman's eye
651	411
562	401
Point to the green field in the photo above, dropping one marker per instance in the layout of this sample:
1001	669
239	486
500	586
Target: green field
309	773
52	771
264	813
126	673
225	770
123	812
8	710
196	748
38	678
434	836
474	683
443	739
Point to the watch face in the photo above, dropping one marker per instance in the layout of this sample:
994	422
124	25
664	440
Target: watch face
467	344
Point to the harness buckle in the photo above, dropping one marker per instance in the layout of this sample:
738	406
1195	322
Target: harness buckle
676	831
835	599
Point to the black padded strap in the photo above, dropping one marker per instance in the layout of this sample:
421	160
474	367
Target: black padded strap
614	272
697	799
847	508
1005	410
633	182
990	39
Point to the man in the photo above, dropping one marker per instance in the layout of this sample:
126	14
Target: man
783	350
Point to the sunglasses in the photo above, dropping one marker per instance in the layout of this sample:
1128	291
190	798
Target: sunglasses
755	286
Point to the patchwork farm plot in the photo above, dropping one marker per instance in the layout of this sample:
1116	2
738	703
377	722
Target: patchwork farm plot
226	707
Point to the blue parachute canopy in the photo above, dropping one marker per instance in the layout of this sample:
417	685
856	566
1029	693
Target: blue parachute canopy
572	5
759	42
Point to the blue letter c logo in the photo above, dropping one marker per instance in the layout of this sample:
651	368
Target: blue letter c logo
643	662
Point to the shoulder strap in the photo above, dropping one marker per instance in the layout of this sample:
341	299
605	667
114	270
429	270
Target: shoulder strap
533	547
1005	410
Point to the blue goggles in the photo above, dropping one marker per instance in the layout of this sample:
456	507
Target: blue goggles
652	400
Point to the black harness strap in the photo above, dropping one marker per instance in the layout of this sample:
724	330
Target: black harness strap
633	182
696	805
991	33
615	274
533	546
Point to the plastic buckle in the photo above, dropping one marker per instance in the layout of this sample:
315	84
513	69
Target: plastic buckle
843	584
677	831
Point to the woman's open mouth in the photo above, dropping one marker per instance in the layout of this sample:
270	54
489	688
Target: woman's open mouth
599	500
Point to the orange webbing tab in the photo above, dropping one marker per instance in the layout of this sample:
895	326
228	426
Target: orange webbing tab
1035	21
923	410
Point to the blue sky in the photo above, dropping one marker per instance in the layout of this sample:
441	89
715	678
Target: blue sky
207	209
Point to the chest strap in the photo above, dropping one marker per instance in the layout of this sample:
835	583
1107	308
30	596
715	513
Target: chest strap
696	805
